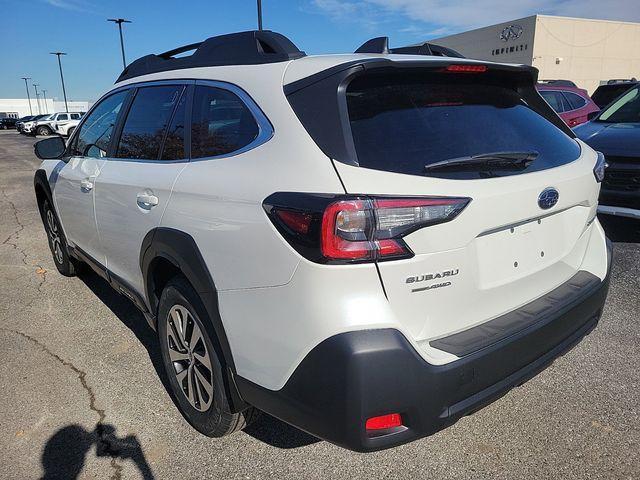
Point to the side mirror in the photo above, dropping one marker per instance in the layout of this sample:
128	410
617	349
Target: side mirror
592	115
50	148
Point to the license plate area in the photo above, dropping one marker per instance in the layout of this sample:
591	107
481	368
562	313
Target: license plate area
519	250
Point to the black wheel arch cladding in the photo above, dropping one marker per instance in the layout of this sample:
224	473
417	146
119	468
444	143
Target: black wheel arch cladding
181	251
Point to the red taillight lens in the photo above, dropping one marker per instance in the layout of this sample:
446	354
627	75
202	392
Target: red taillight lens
466	68
341	229
384	422
299	222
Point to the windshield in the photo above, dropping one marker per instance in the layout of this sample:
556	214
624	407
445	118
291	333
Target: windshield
404	123
624	110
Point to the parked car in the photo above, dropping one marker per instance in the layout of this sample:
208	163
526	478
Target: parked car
62	123
605	94
616	133
7	123
571	103
21	121
28	127
366	246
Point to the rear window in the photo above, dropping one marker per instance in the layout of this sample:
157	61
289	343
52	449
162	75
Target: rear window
404	123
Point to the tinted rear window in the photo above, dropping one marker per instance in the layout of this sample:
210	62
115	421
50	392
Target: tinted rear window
401	123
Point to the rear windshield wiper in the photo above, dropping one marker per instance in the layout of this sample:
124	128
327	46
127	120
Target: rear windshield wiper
494	160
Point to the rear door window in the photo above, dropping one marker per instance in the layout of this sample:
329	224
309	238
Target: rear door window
147	121
556	100
221	123
404	122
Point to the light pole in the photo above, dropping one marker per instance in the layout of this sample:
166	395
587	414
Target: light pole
44	95
35	87
28	96
64	92
120	21
259	14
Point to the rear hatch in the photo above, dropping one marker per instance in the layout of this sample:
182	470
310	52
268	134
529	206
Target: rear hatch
477	133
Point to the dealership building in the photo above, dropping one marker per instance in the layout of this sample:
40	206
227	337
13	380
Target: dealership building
21	107
585	51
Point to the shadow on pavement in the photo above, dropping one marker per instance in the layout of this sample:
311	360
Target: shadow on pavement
621	229
65	453
266	428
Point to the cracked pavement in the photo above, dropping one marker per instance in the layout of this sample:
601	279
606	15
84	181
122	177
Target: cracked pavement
82	396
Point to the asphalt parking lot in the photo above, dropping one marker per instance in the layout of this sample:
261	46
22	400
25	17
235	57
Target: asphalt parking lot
82	396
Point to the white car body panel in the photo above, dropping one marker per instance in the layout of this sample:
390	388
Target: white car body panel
276	305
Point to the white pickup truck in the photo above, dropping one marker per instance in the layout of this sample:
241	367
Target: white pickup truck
60	123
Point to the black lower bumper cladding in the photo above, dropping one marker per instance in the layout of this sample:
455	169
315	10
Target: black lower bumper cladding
354	376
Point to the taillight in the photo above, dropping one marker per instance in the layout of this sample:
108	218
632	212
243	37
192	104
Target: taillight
351	229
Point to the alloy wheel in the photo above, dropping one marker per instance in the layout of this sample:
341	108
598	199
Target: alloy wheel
190	358
54	237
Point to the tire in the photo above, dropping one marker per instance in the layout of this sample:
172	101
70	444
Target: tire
70	131
66	265
190	360
43	131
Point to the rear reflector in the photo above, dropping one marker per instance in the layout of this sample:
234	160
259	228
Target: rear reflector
466	68
384	422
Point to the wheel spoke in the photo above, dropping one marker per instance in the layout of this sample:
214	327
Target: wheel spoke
199	387
196	336
191	394
178	329
180	377
202	380
177	356
203	359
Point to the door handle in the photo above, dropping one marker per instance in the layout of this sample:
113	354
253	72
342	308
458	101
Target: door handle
146	200
86	185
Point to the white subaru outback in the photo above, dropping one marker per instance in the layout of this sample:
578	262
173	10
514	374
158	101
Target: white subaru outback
366	246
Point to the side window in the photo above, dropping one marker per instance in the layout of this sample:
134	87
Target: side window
173	148
147	122
75	116
575	100
95	133
221	123
62	116
555	100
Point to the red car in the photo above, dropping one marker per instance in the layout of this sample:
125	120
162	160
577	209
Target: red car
571	103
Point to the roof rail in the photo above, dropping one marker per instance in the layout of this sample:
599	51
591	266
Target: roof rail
558	83
381	45
621	80
243	48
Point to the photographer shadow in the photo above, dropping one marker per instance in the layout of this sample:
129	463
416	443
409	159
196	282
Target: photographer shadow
65	453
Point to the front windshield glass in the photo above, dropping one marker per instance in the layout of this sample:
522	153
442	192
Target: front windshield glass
625	110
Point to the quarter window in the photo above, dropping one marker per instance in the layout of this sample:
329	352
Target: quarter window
147	121
575	100
95	133
221	123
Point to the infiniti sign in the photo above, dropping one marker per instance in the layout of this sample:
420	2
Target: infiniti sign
511	33
548	198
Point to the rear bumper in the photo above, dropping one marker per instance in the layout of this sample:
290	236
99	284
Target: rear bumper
353	376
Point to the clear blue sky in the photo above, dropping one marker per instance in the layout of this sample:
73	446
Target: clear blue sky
33	28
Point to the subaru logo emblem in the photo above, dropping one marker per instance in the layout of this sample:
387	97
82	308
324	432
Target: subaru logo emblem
548	198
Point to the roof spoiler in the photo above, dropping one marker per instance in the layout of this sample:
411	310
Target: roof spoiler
243	48
381	45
